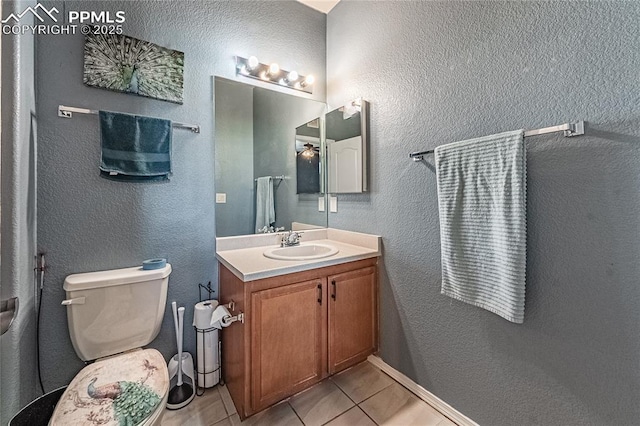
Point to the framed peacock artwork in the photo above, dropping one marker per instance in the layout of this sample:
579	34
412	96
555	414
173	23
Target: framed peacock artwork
126	64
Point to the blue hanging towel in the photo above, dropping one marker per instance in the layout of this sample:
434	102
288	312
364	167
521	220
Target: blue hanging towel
135	148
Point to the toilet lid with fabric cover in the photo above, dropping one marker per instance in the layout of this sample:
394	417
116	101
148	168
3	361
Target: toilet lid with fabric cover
122	390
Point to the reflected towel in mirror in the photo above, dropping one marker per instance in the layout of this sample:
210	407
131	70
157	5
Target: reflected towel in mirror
265	210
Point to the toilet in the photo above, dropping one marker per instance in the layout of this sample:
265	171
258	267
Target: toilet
111	315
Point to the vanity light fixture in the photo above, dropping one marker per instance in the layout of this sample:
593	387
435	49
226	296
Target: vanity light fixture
253	68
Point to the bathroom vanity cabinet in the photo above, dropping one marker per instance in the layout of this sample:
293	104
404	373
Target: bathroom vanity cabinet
298	329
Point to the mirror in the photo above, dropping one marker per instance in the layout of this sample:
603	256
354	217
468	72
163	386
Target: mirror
256	137
346	139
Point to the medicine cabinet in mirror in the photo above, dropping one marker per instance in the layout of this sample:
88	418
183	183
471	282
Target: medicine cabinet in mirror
346	139
261	133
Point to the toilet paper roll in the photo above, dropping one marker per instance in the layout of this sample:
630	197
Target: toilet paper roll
208	358
202	314
221	317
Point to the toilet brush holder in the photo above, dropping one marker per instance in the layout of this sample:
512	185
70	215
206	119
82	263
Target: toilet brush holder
187	368
181	392
180	396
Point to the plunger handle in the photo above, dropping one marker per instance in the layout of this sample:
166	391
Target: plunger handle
174	308
180	331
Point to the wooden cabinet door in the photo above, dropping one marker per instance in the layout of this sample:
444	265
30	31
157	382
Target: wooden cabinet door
288	340
352	317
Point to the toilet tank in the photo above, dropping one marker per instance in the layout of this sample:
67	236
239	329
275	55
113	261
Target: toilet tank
109	312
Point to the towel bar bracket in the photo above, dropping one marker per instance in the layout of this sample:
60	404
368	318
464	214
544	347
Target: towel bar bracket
67	112
575	129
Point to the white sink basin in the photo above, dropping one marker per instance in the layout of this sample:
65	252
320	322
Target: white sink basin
301	252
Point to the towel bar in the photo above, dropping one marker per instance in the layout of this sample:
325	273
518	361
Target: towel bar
274	177
569	129
67	112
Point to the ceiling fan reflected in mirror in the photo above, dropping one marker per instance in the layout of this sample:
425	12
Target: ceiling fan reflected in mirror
309	151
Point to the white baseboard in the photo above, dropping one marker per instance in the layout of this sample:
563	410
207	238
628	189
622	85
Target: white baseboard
422	393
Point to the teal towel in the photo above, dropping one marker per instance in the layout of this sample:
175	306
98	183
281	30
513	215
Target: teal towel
482	198
135	148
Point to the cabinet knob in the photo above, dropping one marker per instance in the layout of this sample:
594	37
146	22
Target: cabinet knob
320	294
333	293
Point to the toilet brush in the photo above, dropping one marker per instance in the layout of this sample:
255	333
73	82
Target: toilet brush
182	393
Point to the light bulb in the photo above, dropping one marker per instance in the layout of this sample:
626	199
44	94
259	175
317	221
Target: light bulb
308	81
252	62
274	68
293	76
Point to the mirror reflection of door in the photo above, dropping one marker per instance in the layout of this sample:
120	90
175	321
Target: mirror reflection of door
346	139
308	161
345	159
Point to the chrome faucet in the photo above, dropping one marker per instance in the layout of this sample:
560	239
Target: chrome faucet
291	238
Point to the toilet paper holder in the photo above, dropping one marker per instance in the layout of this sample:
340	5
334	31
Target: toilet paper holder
232	307
234	318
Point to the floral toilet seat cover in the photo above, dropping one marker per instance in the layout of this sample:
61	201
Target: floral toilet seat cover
120	391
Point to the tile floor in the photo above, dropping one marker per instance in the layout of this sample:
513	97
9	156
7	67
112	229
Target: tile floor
360	396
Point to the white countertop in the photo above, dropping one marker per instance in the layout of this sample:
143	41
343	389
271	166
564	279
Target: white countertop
243	255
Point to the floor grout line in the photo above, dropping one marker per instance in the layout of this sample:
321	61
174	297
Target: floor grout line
341	390
366	414
352	400
295	412
377	392
345	394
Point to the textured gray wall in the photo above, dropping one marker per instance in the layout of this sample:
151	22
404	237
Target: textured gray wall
17	346
86	223
437	72
234	154
276	117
